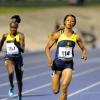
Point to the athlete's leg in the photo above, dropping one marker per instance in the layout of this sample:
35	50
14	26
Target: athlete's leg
19	76
66	79
10	68
56	81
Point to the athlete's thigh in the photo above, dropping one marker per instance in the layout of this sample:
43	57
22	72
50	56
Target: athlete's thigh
66	77
56	80
9	65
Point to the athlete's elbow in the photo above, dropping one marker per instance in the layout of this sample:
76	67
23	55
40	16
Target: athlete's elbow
46	49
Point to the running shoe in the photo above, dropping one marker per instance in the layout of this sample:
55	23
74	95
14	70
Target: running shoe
11	92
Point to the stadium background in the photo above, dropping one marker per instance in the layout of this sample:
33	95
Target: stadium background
40	17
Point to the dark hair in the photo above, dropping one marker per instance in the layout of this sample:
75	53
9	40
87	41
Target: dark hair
17	18
71	16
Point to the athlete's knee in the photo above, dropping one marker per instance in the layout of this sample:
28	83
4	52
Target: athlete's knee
11	74
55	90
6	63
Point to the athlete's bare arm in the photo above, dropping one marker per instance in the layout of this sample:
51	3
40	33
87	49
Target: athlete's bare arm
22	41
52	39
2	41
81	45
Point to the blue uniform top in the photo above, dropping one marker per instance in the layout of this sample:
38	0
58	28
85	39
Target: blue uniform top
65	46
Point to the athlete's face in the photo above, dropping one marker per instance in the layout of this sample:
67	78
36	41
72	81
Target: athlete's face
13	27
69	22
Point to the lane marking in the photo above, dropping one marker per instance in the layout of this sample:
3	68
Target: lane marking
87	71
49	84
84	89
25	70
28	69
46	73
31	90
26	78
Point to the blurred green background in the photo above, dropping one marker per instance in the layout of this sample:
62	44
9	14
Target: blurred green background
41	17
37	3
46	3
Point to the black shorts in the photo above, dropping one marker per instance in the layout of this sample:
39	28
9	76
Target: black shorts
17	59
59	65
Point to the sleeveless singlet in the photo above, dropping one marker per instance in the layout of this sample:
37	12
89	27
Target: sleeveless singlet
11	48
65	46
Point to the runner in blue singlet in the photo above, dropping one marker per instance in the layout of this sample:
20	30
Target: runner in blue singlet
62	65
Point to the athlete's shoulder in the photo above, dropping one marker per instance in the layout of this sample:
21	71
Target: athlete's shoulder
21	34
4	35
55	35
78	37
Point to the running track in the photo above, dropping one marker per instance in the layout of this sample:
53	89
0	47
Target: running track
37	83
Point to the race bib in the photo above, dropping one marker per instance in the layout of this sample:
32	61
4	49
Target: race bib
65	52
11	48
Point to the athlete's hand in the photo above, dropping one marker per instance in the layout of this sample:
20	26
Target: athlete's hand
84	57
50	62
19	47
15	41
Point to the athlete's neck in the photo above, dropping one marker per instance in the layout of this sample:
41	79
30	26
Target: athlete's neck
68	32
13	34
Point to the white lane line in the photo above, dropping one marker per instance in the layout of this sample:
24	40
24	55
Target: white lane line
84	89
31	90
80	63
72	94
87	71
46	73
27	78
25	70
37	88
49	84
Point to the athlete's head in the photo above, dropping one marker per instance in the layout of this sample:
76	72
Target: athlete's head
13	27
16	18
69	21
